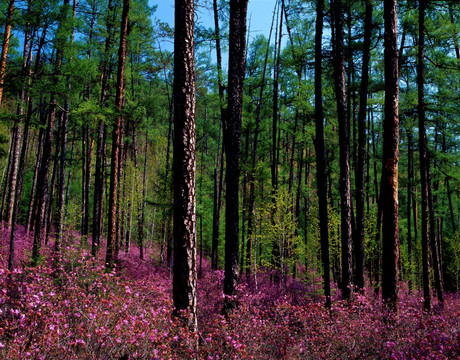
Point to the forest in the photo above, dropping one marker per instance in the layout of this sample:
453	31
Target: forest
202	190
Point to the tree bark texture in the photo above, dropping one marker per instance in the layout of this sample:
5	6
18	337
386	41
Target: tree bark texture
6	43
184	165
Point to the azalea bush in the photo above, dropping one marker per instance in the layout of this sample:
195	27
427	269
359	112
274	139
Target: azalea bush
78	310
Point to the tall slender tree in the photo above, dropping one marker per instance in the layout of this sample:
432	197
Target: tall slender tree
220	150
43	175
6	44
344	144
361	166
232	134
389	180
117	129
321	181
428	223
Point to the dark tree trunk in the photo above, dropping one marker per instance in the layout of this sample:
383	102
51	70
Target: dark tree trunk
321	180
428	221
389	184
141	220
43	182
410	172
361	165
100	145
276	70
220	150
184	165
60	207
344	143
216	209
232	132
112	219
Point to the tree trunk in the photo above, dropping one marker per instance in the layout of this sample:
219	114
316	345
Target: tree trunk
410	172
25	140
141	220
6	43
428	221
63	157
389	180
321	180
361	165
117	129
232	132
344	144
43	183
184	165
100	146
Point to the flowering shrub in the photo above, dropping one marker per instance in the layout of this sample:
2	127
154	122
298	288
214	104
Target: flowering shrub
77	310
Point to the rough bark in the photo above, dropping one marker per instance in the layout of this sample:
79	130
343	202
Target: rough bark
184	165
389	180
6	43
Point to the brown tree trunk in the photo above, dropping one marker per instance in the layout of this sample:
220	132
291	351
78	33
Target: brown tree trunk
232	132
389	180
321	180
184	165
6	43
112	219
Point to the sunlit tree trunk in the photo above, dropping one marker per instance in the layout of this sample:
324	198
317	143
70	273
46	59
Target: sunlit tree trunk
6	43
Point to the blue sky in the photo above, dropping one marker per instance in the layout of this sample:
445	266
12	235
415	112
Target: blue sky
259	15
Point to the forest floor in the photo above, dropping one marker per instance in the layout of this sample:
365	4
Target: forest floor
80	311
